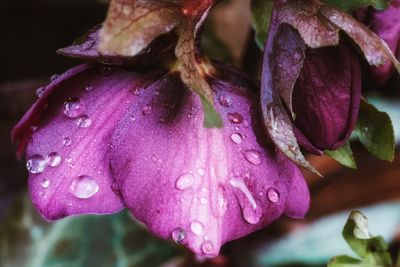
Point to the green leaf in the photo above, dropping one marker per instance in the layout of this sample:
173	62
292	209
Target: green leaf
351	5
260	19
375	131
26	240
344	261
373	251
344	155
211	117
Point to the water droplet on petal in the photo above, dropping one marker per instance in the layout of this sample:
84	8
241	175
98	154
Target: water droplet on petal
146	110
253	156
54	159
74	107
84	121
84	187
201	171
208	248
248	204
36	164
235	118
40	91
184	181
236	138
203	200
106	70
54	77
45	183
225	101
273	195
89	88
197	227
178	235
66	141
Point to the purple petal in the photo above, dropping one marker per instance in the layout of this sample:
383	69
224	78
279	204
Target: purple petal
67	153
327	95
386	24
201	187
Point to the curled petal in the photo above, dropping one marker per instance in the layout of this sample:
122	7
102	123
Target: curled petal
201	187
66	154
327	95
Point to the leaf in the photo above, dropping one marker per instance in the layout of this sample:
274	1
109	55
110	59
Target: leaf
303	15
276	119
343	155
193	68
131	25
316	243
344	261
112	240
351	5
375	131
260	18
373	251
375	50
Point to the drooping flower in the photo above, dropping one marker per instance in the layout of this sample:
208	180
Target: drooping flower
385	23
103	138
311	80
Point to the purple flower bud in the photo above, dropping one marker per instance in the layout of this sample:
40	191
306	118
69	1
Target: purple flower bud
326	97
106	139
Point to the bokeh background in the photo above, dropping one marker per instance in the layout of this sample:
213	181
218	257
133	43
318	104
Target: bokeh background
31	32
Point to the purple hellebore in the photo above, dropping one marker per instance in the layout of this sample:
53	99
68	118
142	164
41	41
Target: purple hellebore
100	139
385	23
320	86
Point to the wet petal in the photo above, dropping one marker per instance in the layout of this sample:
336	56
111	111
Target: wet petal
201	187
327	95
67	154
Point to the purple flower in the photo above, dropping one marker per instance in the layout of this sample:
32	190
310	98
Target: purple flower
386	24
100	139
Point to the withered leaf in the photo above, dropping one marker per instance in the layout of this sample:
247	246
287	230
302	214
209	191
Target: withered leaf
375	50
276	119
131	25
315	30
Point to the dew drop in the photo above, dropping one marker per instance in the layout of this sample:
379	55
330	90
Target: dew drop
146	110
235	118
273	195
203	200
54	77
36	164
54	159
106	70
184	181
40	91
225	101
236	138
66	141
197	227
207	248
201	172
178	235
74	107
45	183
84	121
89	88
253	156
84	187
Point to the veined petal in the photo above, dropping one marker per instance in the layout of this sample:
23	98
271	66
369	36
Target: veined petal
66	154
198	186
326	97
